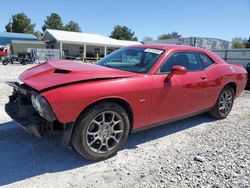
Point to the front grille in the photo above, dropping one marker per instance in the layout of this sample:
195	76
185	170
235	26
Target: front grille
25	116
11	109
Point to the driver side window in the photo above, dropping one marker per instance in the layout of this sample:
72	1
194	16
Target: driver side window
185	59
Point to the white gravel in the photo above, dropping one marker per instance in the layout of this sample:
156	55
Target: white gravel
196	152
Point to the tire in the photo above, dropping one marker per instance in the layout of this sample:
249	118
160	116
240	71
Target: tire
96	140
25	62
224	103
5	62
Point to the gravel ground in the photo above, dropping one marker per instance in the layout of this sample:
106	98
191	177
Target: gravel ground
196	152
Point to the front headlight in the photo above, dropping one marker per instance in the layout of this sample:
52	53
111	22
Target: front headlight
42	107
19	81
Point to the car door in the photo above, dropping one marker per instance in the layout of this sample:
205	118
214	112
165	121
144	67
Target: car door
182	94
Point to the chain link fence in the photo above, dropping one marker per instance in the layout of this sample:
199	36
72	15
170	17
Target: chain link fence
241	56
41	55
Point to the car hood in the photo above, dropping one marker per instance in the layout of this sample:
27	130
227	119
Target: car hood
59	73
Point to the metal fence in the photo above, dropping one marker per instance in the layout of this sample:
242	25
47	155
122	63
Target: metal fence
241	56
42	55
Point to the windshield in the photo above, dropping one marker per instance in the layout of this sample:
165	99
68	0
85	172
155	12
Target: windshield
139	60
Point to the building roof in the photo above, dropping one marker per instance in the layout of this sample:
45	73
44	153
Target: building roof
84	38
5	37
17	35
27	42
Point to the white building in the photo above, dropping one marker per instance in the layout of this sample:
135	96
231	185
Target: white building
208	43
82	45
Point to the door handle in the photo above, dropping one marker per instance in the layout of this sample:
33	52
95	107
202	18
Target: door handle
203	77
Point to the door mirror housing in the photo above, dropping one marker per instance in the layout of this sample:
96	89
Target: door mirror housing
176	70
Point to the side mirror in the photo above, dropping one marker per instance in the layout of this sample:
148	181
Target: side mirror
176	70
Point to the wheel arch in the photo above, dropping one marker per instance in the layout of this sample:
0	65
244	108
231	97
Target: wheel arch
122	102
233	85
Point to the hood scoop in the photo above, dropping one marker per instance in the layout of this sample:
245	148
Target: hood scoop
61	71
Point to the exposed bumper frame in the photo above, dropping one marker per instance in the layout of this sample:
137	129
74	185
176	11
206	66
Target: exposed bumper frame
23	112
31	124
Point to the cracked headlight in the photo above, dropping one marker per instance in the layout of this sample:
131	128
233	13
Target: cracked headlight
42	107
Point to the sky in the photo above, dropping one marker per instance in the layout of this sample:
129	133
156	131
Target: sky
224	19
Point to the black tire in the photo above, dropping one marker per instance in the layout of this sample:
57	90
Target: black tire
5	62
25	62
81	138
222	109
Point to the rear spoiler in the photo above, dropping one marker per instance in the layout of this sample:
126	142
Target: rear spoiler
237	64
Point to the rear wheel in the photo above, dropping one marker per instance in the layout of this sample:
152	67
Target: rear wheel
25	62
101	131
224	103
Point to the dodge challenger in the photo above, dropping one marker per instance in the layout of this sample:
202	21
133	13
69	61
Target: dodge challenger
96	106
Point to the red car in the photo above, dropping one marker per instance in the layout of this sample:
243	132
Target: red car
97	106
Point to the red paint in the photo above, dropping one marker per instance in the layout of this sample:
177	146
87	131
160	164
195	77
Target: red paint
151	98
3	51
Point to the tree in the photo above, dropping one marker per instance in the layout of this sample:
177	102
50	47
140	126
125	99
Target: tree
72	26
147	39
123	33
20	24
176	35
53	21
238	42
169	36
38	34
248	43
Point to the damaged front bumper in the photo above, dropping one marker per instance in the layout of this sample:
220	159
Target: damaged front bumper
20	109
19	113
33	113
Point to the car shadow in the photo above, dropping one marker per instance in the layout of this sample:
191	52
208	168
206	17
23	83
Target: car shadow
166	130
23	156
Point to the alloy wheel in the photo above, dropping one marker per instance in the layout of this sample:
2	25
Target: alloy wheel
226	102
104	132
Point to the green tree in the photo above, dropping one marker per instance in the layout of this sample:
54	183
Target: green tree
53	21
169	36
248	43
238	42
38	34
72	26
123	33
20	24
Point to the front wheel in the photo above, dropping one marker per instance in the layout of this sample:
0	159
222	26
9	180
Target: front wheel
223	104
101	131
5	62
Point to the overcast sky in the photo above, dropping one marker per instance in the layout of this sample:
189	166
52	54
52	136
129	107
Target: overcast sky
223	19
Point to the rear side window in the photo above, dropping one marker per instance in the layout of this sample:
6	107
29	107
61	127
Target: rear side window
205	60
